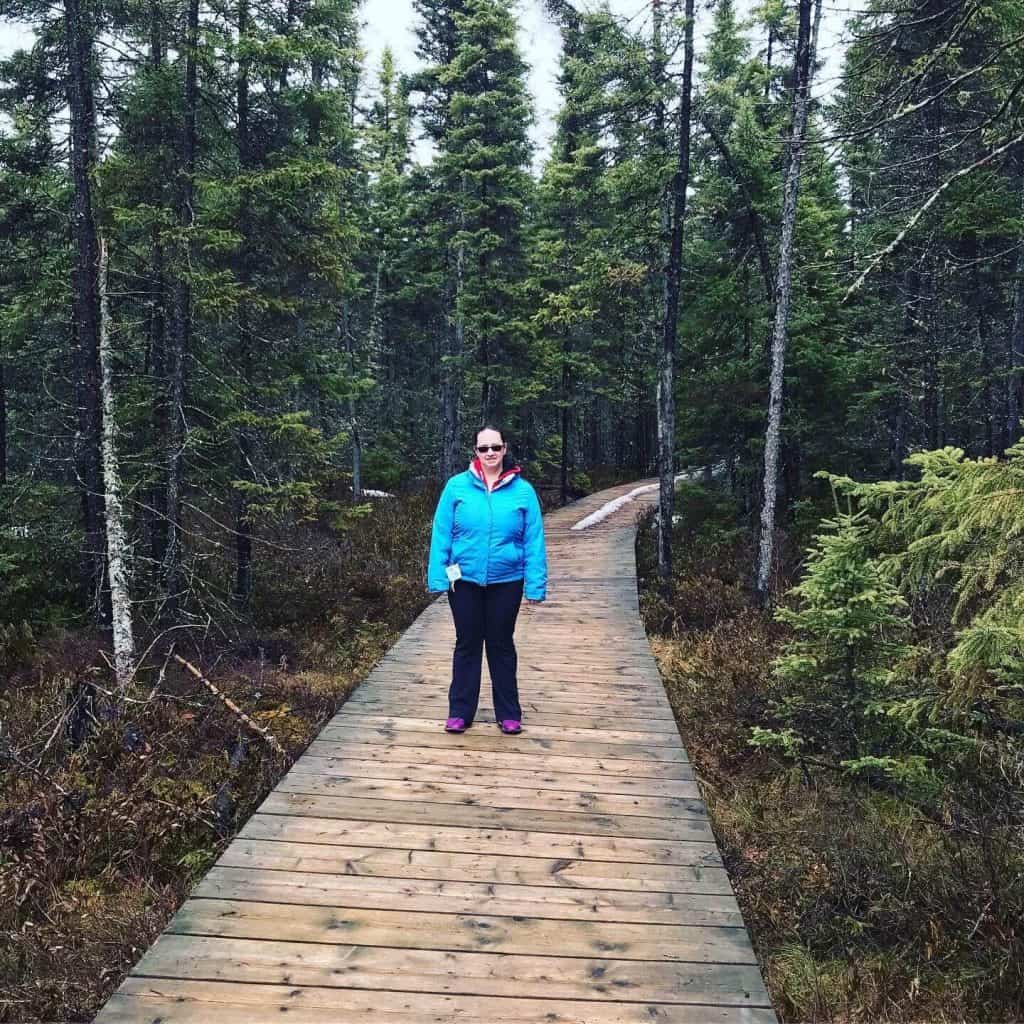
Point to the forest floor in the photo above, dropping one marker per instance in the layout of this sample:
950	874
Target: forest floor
862	907
113	805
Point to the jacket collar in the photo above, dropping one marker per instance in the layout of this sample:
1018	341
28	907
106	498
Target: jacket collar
507	476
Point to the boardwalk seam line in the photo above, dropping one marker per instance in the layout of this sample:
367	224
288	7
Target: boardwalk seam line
473	995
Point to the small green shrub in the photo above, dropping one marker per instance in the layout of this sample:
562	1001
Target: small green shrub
39	551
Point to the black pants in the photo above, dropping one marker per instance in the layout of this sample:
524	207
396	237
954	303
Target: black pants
484	615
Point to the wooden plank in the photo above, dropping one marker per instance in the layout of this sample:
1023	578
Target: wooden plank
511	819
450	839
564	683
552	713
470	867
410	771
485	974
637	705
484	795
510	757
173	1001
404	929
299	888
492	739
390	724
634	671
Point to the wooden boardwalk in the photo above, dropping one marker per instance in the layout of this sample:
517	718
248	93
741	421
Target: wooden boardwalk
401	874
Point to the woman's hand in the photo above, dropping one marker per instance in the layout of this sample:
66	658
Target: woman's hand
533	600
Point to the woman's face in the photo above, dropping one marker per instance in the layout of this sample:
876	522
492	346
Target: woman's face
490	459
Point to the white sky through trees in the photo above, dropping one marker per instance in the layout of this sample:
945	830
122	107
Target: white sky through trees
392	23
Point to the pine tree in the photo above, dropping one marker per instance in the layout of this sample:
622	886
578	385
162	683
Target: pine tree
478	112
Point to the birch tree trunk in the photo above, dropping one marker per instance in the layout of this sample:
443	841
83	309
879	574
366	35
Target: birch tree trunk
783	291
673	277
117	542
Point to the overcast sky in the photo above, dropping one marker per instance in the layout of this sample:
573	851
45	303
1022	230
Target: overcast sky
391	22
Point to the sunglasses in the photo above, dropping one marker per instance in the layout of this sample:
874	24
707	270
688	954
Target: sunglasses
481	448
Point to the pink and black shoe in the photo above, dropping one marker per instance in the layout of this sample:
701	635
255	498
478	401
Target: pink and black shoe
510	726
455	725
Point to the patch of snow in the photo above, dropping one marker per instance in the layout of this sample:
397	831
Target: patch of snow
376	494
616	503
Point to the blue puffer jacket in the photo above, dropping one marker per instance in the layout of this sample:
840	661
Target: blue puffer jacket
495	536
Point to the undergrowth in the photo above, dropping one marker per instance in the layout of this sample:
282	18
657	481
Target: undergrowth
113	805
865	901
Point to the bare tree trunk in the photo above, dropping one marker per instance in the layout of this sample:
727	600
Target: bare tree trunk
353	419
3	425
931	400
451	386
156	514
898	446
181	321
117	541
1015	383
566	420
673	276
79	41
243	522
988	391
783	292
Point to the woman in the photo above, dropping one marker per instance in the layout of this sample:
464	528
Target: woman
487	551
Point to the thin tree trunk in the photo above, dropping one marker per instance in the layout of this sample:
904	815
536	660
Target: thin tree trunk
117	541
451	372
243	522
673	278
783	292
931	397
357	447
181	320
79	41
988	391
158	327
898	449
664	387
566	420
1015	382
3	425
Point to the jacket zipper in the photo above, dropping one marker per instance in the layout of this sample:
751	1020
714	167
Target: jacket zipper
490	532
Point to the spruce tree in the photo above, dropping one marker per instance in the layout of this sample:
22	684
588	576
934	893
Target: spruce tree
475	106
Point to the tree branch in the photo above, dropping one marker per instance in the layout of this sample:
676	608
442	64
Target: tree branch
232	706
930	202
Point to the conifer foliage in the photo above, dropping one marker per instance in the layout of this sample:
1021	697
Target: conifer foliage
321	274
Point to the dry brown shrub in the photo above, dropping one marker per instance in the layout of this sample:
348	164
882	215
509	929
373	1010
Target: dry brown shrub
104	830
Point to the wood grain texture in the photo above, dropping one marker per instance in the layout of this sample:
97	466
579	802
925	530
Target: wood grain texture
401	874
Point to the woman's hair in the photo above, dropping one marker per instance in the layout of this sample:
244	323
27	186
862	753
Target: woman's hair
488	426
